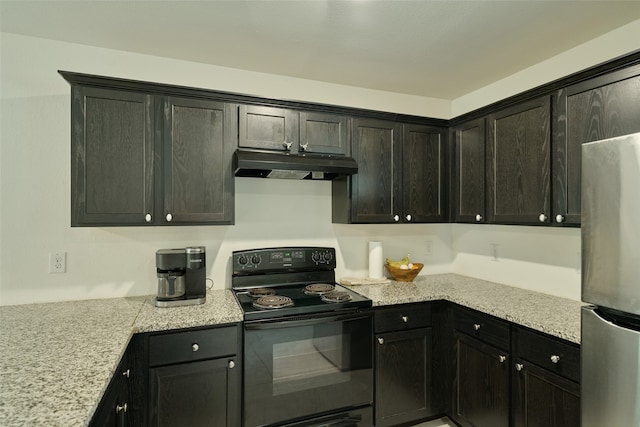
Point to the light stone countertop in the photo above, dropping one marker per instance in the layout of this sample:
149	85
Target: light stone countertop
553	315
57	359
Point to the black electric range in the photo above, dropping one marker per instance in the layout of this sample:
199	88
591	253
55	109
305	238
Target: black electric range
271	283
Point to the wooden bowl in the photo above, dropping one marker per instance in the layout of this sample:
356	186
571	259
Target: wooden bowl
400	275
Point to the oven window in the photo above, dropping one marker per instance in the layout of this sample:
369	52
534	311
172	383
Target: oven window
308	364
298	368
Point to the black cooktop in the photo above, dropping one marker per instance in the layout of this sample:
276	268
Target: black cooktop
287	270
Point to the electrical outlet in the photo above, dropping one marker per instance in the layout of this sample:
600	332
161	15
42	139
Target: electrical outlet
428	247
57	262
494	251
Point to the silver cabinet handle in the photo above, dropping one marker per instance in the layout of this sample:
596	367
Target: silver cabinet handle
478	218
121	408
408	217
148	217
542	217
287	145
127	373
476	326
303	147
195	347
381	340
519	366
405	319
559	219
232	364
502	358
169	217
396	218
555	359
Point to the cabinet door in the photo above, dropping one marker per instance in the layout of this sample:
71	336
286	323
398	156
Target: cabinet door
112	163
519	156
470	172
423	165
199	139
324	133
403	376
373	189
194	394
268	128
604	107
481	390
543	399
116	405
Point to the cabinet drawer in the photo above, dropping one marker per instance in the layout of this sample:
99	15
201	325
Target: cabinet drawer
193	345
555	355
483	327
401	317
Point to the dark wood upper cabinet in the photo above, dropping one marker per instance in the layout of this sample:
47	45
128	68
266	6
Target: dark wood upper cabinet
423	187
281	129
199	140
112	162
518	163
600	108
469	176
401	174
139	159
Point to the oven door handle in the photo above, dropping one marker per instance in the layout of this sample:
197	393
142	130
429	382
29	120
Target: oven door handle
278	324
346	422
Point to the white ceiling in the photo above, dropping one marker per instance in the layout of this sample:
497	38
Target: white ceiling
442	49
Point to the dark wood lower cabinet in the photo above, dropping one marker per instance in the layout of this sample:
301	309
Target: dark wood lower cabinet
481	397
115	408
543	399
403	376
193	394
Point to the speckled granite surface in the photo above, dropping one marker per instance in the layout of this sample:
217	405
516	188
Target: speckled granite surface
56	359
555	316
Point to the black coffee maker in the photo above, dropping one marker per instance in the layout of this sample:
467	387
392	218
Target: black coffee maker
181	276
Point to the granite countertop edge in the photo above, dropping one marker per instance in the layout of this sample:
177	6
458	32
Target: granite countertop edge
93	335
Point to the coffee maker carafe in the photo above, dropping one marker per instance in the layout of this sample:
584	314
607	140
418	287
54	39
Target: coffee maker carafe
181	276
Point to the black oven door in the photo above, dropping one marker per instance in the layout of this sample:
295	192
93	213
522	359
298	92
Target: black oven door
301	367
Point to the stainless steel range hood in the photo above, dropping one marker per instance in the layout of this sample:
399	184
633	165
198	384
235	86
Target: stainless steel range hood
260	164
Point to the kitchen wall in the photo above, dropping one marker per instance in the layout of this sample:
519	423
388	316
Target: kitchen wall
112	262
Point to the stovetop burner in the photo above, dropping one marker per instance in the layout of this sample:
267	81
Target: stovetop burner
261	292
273	302
336	296
319	288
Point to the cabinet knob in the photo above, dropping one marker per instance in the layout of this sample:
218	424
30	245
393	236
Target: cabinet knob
127	373
148	217
476	326
287	145
169	217
519	366
555	359
559	219
542	217
232	364
381	340
405	319
408	217
502	358
303	147
478	218
121	408
195	347
396	218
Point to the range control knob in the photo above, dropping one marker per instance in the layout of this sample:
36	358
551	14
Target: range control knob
243	260
328	256
255	259
315	257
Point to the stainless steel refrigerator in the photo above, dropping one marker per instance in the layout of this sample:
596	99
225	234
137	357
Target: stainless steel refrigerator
610	345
